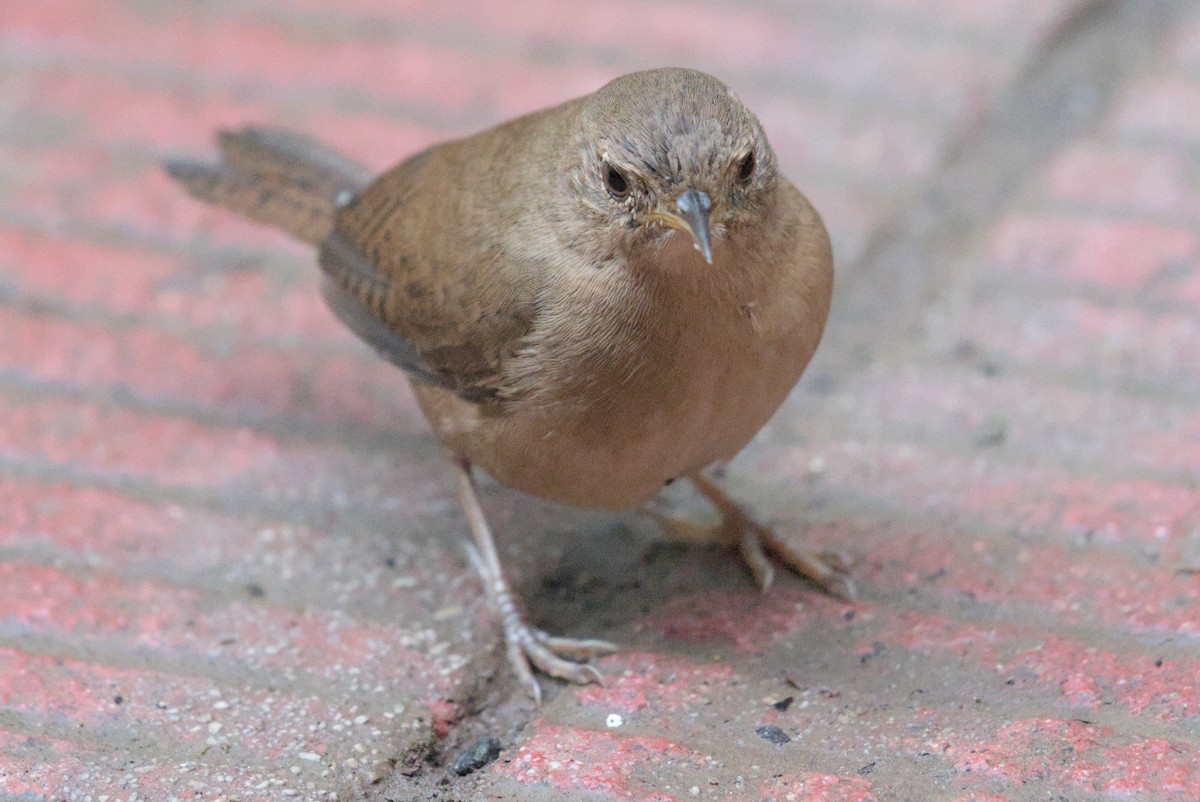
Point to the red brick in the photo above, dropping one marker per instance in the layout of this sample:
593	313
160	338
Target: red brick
110	613
250	305
102	527
101	106
150	362
574	760
1143	181
1056	424
357	394
1152	766
1077	673
937	75
242	49
814	787
1104	342
1184	46
883	148
82	695
1071	587
1018	496
52	267
59	192
1183	287
641	681
1089	589
818	132
1130	511
850	213
118	445
806	132
1161	106
1181	446
49	600
123	442
1073	753
1017	22
107	109
378	141
749	621
106	530
1025	541
24	769
1112	253
96	110
1080	585
79	772
354	389
151	283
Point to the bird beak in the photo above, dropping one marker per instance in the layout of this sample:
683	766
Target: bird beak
693	217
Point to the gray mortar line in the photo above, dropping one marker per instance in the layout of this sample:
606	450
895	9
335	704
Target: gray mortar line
1065	89
362	438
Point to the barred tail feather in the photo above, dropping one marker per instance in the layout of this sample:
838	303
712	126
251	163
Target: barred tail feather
275	177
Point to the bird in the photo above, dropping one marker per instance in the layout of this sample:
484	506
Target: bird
591	301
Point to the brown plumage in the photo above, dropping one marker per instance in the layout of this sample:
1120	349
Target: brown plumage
592	300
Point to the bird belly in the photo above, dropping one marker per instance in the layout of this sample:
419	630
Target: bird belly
619	453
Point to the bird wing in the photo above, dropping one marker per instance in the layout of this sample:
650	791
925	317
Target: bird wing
413	271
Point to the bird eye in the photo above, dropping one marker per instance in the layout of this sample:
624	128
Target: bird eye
746	169
618	185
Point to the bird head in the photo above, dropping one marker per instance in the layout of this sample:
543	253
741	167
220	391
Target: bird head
669	153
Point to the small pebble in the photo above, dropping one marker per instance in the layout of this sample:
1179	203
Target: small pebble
992	432
773	734
481	753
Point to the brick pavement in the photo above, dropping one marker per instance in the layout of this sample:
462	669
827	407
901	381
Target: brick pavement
229	561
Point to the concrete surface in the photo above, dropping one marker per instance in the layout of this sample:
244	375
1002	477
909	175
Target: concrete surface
229	552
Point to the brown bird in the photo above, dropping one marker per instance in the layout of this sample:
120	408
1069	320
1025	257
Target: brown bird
591	300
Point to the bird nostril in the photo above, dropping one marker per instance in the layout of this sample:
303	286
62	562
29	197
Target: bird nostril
693	201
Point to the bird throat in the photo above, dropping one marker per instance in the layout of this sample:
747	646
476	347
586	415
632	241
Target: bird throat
676	253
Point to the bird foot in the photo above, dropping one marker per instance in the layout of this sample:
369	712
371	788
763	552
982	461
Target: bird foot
828	570
529	647
757	544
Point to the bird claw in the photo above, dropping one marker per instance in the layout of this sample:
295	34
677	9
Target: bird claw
529	648
575	648
826	569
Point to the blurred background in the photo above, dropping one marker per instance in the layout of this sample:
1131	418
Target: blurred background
229	561
863	100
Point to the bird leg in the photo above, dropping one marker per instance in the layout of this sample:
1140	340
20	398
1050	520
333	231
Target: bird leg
755	541
527	646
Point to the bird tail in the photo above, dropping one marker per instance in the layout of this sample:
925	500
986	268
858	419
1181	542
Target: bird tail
276	177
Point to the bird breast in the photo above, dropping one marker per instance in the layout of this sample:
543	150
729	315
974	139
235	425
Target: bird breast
630	385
